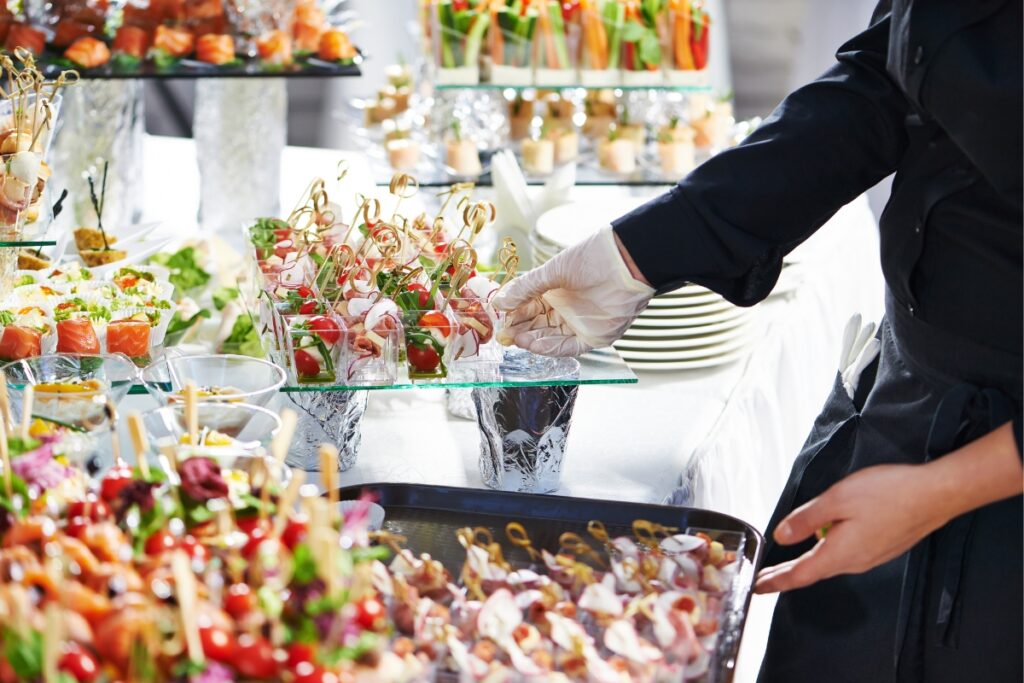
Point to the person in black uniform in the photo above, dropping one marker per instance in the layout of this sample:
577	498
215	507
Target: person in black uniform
898	538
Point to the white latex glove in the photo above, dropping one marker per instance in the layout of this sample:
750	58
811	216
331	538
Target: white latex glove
860	348
582	299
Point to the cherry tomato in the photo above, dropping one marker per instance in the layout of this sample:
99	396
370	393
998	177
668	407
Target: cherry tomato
438	321
80	664
294	533
423	358
193	548
306	672
569	9
76	527
307	307
160	542
254	657
256	536
326	328
283	248
247	524
370	614
239	600
440	247
116	479
422	293
218	644
305	292
91	508
282	234
299	653
306	364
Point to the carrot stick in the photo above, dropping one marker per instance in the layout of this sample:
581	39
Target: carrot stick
550	57
684	57
497	40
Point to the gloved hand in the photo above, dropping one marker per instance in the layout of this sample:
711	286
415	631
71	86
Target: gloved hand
860	348
582	299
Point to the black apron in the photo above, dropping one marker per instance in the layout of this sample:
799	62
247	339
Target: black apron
951	608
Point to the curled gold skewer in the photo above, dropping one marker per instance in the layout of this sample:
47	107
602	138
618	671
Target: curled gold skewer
517	536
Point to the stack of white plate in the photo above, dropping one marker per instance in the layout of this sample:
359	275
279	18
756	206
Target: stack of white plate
689	328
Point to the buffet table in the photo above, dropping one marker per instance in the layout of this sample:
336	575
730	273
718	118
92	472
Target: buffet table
721	438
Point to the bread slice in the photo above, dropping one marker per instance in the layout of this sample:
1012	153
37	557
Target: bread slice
101	257
28	260
91	238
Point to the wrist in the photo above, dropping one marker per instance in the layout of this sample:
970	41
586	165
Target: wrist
627	258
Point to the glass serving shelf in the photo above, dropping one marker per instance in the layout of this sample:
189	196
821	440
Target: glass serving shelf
703	88
518	369
36	235
51	64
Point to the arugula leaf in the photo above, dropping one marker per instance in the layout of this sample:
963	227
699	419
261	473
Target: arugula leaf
367	642
303	564
632	32
223	295
24	655
244	339
649	49
186	274
19	489
6	318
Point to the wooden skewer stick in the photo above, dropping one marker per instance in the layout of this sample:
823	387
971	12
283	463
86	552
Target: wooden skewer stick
5	455
138	435
5	406
283	438
329	472
52	635
285	503
26	410
191	413
185	585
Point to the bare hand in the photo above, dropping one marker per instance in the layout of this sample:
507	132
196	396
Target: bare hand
863	521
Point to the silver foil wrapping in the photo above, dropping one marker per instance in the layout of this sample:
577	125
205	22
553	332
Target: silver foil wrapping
460	403
332	417
101	120
523	434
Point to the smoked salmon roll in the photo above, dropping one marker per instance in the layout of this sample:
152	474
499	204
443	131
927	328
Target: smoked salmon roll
67	32
197	10
142	17
24	36
133	41
307	27
174	42
19	342
88	53
128	336
77	335
215	48
335	46
275	47
5	27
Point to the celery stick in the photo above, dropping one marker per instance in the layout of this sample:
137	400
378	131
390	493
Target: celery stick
614	16
558	33
475	38
446	18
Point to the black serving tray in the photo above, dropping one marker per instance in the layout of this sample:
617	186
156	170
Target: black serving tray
51	64
429	516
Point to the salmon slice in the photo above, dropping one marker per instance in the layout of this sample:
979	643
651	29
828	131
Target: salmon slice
24	36
130	337
88	53
67	32
20	342
132	40
215	48
335	46
76	335
173	41
275	47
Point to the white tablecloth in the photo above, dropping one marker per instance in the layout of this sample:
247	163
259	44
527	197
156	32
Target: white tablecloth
723	439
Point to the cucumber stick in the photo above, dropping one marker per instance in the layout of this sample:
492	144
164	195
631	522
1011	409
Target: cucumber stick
475	38
614	16
446	18
558	33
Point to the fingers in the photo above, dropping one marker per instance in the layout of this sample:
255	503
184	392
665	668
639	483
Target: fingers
815	565
548	342
529	285
803	522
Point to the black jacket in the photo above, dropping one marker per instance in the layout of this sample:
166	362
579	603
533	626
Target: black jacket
931	91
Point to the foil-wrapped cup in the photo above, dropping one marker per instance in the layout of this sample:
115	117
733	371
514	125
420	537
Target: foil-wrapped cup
523	434
332	417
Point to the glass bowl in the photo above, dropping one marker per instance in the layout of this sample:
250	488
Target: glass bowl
220	378
71	389
249	427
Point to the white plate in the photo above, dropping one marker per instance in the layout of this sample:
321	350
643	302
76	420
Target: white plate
678	344
135	256
705	351
685	332
680	322
697	364
572	223
688	311
665	301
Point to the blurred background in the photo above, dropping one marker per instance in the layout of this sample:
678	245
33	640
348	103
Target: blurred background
771	47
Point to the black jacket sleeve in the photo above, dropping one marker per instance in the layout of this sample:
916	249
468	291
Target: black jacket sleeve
727	225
